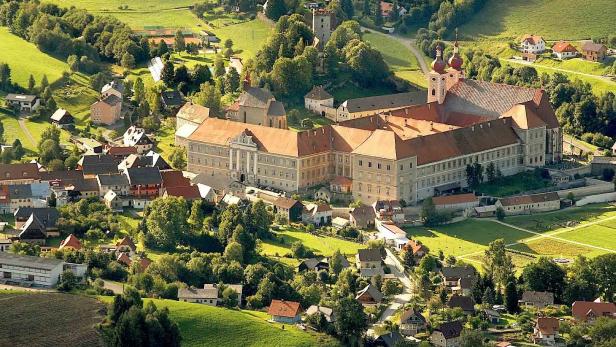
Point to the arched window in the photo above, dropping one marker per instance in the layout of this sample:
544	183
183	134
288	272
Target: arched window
433	92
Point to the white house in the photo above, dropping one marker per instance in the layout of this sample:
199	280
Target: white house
527	204
318	100
35	270
545	331
564	50
23	102
392	234
136	137
532	44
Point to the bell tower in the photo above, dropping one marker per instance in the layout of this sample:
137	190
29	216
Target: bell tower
437	78
455	72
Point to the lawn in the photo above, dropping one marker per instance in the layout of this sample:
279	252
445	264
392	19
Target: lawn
202	325
323	245
396	55
248	37
601	235
317	120
554	19
13	131
112	5
579	65
76	96
465	237
13	49
555	221
514	184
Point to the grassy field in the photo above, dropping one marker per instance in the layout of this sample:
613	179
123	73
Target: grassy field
556	221
323	245
248	37
202	325
13	49
554	19
514	184
49	320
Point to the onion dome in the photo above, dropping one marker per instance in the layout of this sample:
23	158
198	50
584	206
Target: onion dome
456	61
439	65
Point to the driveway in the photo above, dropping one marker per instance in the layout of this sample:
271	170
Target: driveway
399	300
22	125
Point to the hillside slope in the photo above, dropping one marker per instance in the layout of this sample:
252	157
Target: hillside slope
554	19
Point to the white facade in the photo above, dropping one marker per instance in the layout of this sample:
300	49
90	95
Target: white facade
35	270
535	46
565	55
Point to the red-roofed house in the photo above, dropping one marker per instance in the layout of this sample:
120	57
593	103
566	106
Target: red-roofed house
419	250
546	331
532	44
456	202
120	152
564	50
123	258
284	311
189	193
174	178
386	9
71	241
590	310
126	245
341	184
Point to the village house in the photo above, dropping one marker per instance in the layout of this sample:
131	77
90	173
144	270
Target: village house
48	216
317	214
136	137
341	184
119	152
564	50
151	159
313	264
362	217
189	193
291	209
452	274
447	335
418	249
114	201
369	296
115	88
392	235
327	312
204	296
319	101
527	204
259	107
532	44
35	271
370	258
145	185
339	223
116	182
389	210
106	111
126	245
412	322
70	242
97	164
283	311
594	51
464	286
23	173
536	299
545	331
171	100
459	202
23	102
63	119
388	339
491	316
588	311
466	303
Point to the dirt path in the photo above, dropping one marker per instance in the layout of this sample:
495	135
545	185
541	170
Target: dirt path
22	125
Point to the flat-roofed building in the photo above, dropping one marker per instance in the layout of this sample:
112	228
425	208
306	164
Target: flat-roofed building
36	271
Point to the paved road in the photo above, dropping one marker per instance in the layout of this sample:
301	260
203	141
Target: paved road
399	300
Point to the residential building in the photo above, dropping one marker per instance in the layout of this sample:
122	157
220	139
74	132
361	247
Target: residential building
290	208
115	88
564	50
319	101
339	223
151	159
418	249
369	258
116	182
458	202
412	322
588	311
174	178
126	245
23	102
106	111
136	137
464	286
466	303
317	214
313	264
327	312
594	51
545	331
37	271
536	299
97	164
206	296
20	196
258	106
452	274
388	210
491	316
362	217
63	119
392	234
447	335
532	44
283	311
388	339
23	173
114	201
369	296
386	8
145	185
71	242
407	153
120	152
48	216
189	193
526	204
171	100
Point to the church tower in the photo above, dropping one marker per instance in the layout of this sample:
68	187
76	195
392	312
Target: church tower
455	72
437	78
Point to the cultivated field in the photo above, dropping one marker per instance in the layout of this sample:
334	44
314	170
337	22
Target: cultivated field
202	325
588	231
554	19
49	320
13	49
323	245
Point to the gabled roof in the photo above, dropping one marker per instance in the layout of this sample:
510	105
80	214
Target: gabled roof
547	325
18	171
529	199
563	46
593	47
115	179
71	241
61	114
411	313
255	97
326	311
123	258
532	39
450	329
286	203
20	97
121	150
466	303
371	291
94	164
47	215
455	199
372	103
546	298
144	175
127	241
363	213
186	192
581	310
193	112
32	229
458	271
415	247
174	178
172	98
20	191
110	100
369	254
318	93
524	116
136	136
282	308
116	85
198	293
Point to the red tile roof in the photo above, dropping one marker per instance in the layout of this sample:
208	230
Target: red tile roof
127	241
71	241
532	39
547	325
282	308
187	192
174	178
454	199
415	247
529	199
123	258
582	310
122	150
563	46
